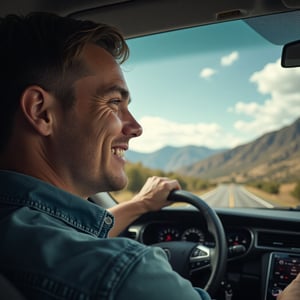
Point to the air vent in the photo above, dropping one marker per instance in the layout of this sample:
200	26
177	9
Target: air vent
278	240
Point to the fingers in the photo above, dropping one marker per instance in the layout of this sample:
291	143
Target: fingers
155	192
167	183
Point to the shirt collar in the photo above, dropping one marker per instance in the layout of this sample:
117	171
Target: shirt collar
23	190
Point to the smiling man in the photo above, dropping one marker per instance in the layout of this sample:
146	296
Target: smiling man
65	127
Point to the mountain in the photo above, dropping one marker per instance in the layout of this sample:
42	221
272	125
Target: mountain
273	156
171	158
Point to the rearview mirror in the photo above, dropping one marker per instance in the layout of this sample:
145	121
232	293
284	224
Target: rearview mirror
291	55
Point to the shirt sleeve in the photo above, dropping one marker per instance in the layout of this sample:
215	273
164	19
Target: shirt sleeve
152	278
204	295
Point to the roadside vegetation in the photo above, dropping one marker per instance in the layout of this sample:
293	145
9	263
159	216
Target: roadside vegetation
271	187
138	174
274	187
274	191
296	191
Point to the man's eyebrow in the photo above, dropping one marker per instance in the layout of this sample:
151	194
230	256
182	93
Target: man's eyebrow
116	88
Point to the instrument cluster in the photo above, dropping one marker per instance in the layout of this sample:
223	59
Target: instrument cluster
167	232
171	233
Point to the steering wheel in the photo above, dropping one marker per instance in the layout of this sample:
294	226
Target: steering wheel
186	257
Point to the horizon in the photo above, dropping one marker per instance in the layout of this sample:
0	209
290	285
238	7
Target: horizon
209	148
225	149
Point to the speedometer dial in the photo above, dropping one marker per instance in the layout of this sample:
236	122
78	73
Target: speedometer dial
193	234
168	234
239	237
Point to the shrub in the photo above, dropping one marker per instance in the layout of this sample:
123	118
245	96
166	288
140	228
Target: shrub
271	187
296	191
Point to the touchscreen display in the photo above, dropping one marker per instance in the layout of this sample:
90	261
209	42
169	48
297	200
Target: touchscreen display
283	268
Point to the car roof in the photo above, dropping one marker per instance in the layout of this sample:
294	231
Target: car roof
142	17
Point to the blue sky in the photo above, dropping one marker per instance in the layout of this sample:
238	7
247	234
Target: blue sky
216	86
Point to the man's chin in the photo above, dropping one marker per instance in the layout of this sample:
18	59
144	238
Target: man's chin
118	184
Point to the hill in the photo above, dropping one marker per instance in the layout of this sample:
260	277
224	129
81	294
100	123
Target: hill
273	156
171	158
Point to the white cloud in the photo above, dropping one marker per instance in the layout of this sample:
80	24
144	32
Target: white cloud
229	59
159	132
207	73
282	105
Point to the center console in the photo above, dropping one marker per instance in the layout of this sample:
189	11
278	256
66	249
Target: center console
281	269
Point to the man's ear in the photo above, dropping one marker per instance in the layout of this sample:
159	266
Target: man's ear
36	105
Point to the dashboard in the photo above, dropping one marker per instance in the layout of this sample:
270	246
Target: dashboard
254	238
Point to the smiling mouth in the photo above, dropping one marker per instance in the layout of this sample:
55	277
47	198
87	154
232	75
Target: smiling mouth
118	152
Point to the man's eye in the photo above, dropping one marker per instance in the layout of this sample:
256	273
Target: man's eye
115	102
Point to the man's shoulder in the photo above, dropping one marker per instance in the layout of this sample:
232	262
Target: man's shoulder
46	237
86	264
61	255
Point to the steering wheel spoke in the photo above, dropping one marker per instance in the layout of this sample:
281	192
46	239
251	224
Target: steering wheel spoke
200	258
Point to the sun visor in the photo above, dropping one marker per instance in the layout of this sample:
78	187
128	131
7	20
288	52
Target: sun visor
279	29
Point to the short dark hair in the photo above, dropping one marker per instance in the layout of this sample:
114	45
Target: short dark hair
44	49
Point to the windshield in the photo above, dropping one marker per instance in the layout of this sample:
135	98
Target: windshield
218	112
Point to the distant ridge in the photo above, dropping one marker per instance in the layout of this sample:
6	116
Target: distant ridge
275	155
171	158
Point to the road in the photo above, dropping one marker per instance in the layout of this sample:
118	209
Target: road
233	195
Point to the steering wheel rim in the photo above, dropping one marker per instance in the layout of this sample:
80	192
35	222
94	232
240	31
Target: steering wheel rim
215	227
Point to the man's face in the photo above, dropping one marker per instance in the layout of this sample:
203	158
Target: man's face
94	134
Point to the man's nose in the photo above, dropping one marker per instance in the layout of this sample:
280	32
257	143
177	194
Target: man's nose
131	127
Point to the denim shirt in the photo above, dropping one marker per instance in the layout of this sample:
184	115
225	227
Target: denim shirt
54	245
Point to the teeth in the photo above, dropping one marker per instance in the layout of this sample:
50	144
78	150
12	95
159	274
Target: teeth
118	151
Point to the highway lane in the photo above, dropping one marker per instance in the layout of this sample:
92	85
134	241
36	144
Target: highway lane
233	195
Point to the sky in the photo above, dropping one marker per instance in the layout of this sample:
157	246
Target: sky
214	86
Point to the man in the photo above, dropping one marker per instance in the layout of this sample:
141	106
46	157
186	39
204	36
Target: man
65	128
